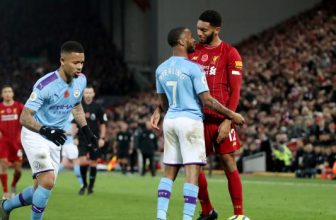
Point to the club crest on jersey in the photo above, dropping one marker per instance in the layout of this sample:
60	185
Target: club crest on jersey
204	57
76	93
33	96
8	110
66	94
214	59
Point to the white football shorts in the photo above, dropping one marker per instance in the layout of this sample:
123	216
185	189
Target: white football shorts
43	155
70	151
183	142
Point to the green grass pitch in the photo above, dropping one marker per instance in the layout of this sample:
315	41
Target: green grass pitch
134	198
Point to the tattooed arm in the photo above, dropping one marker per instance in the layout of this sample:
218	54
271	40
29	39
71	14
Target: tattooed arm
213	104
27	120
79	115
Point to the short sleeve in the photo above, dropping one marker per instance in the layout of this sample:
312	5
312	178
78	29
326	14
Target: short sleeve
36	99
159	88
199	80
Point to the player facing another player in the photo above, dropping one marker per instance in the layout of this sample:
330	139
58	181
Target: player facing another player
180	83
223	67
10	141
54	97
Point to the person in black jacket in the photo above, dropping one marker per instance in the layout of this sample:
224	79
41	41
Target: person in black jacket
97	120
147	143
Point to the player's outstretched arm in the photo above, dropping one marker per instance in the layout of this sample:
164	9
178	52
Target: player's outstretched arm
28	121
213	104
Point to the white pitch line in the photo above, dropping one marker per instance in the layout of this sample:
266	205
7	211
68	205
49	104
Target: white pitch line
278	183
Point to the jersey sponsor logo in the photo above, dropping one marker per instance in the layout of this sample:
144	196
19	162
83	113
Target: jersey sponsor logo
33	96
214	60
239	64
235	72
212	71
62	107
204	57
66	94
12	117
76	93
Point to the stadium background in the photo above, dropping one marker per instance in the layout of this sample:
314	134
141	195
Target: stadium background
288	49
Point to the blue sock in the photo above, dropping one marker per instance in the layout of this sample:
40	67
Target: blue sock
60	167
76	170
22	199
40	200
190	192
164	191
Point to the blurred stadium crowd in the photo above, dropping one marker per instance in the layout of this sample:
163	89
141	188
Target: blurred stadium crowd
288	95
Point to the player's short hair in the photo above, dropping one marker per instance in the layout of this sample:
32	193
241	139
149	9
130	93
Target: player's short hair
211	16
6	86
174	35
72	47
89	86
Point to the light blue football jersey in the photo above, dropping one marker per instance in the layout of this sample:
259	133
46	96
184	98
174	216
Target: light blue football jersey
181	80
53	99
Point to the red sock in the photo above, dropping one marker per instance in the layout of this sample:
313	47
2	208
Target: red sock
236	191
3	178
16	178
203	195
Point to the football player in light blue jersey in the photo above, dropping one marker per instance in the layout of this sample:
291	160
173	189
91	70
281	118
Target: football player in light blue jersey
181	85
54	97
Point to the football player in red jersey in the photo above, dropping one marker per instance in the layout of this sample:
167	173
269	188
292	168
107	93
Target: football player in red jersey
10	143
223	67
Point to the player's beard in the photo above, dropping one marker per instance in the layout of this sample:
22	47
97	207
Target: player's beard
210	38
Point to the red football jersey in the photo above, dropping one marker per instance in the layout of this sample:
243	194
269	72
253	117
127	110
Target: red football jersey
10	126
223	68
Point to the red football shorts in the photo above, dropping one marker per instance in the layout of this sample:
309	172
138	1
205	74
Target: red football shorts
10	150
228	145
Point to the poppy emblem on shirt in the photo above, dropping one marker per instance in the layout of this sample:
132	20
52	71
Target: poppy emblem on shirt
66	94
205	58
